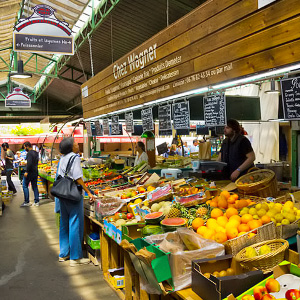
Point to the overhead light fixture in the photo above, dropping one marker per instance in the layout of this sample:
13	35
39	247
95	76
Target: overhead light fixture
147	134
20	73
273	88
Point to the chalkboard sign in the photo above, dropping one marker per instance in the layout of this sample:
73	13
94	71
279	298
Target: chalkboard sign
165	120
88	128
147	119
291	98
215	110
181	115
115	129
105	127
129	122
98	128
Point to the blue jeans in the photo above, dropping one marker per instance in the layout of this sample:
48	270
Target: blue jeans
33	180
71	228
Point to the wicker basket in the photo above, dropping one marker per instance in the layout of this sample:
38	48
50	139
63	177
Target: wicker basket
267	187
286	231
265	262
265	232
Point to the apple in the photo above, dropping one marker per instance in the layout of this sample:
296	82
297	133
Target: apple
272	285
292	294
259	292
129	216
268	297
123	197
248	297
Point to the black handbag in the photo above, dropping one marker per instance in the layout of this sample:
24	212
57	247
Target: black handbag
65	187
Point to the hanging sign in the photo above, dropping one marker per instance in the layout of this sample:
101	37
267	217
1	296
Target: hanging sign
17	99
147	119
129	122
290	90
215	110
88	128
181	115
98	128
43	32
105	127
165	120
115	129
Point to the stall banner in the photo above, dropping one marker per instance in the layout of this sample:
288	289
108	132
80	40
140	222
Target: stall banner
43	32
189	55
17	99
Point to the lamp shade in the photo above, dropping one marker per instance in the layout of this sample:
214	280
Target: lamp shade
147	134
20	73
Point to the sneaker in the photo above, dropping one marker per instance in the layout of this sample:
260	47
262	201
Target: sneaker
63	259
36	204
80	261
25	204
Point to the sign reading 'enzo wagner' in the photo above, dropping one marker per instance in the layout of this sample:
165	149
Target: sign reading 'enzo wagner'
291	98
164	118
215	110
115	129
147	119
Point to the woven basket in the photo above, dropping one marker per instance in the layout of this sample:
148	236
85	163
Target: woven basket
265	262
266	187
286	231
265	232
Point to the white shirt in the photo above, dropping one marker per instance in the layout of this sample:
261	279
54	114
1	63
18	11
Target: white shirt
76	170
143	157
194	149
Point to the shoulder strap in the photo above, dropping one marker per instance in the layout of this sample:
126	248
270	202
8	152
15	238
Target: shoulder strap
69	165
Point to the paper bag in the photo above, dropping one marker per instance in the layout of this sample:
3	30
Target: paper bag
205	150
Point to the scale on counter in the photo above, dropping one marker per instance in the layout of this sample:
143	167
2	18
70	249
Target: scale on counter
209	169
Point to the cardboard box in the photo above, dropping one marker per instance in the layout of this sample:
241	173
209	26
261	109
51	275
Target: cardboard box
116	278
132	232
289	266
113	232
218	288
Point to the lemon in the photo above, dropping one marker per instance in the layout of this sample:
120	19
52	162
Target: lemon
265	206
258	206
265	249
295	209
273	220
298	213
138	201
279	218
261	212
252	211
278	206
256	217
146	203
291	218
271	205
285	222
250	252
278	224
271	214
288	204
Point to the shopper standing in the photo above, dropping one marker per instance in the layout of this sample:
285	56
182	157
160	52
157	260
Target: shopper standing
195	147
71	212
31	175
236	151
9	161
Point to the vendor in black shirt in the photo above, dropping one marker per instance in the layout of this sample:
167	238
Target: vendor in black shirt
236	151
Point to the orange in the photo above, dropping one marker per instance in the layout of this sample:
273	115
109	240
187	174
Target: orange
251	234
241	203
208	202
211	223
246	218
209	234
214	204
231	200
220	237
197	223
243	228
232	223
242	233
219	229
265	219
216	212
201	230
226	194
231	212
235	217
222	221
231	205
232	233
254	224
235	196
222	203
260	222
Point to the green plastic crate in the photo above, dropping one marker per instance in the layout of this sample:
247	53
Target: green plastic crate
94	244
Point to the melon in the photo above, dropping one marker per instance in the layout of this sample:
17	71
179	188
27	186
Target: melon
154	218
172	224
151	229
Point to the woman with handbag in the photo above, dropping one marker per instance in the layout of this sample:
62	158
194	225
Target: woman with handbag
71	209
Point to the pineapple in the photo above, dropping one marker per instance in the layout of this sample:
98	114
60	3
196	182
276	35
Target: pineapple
202	212
174	213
